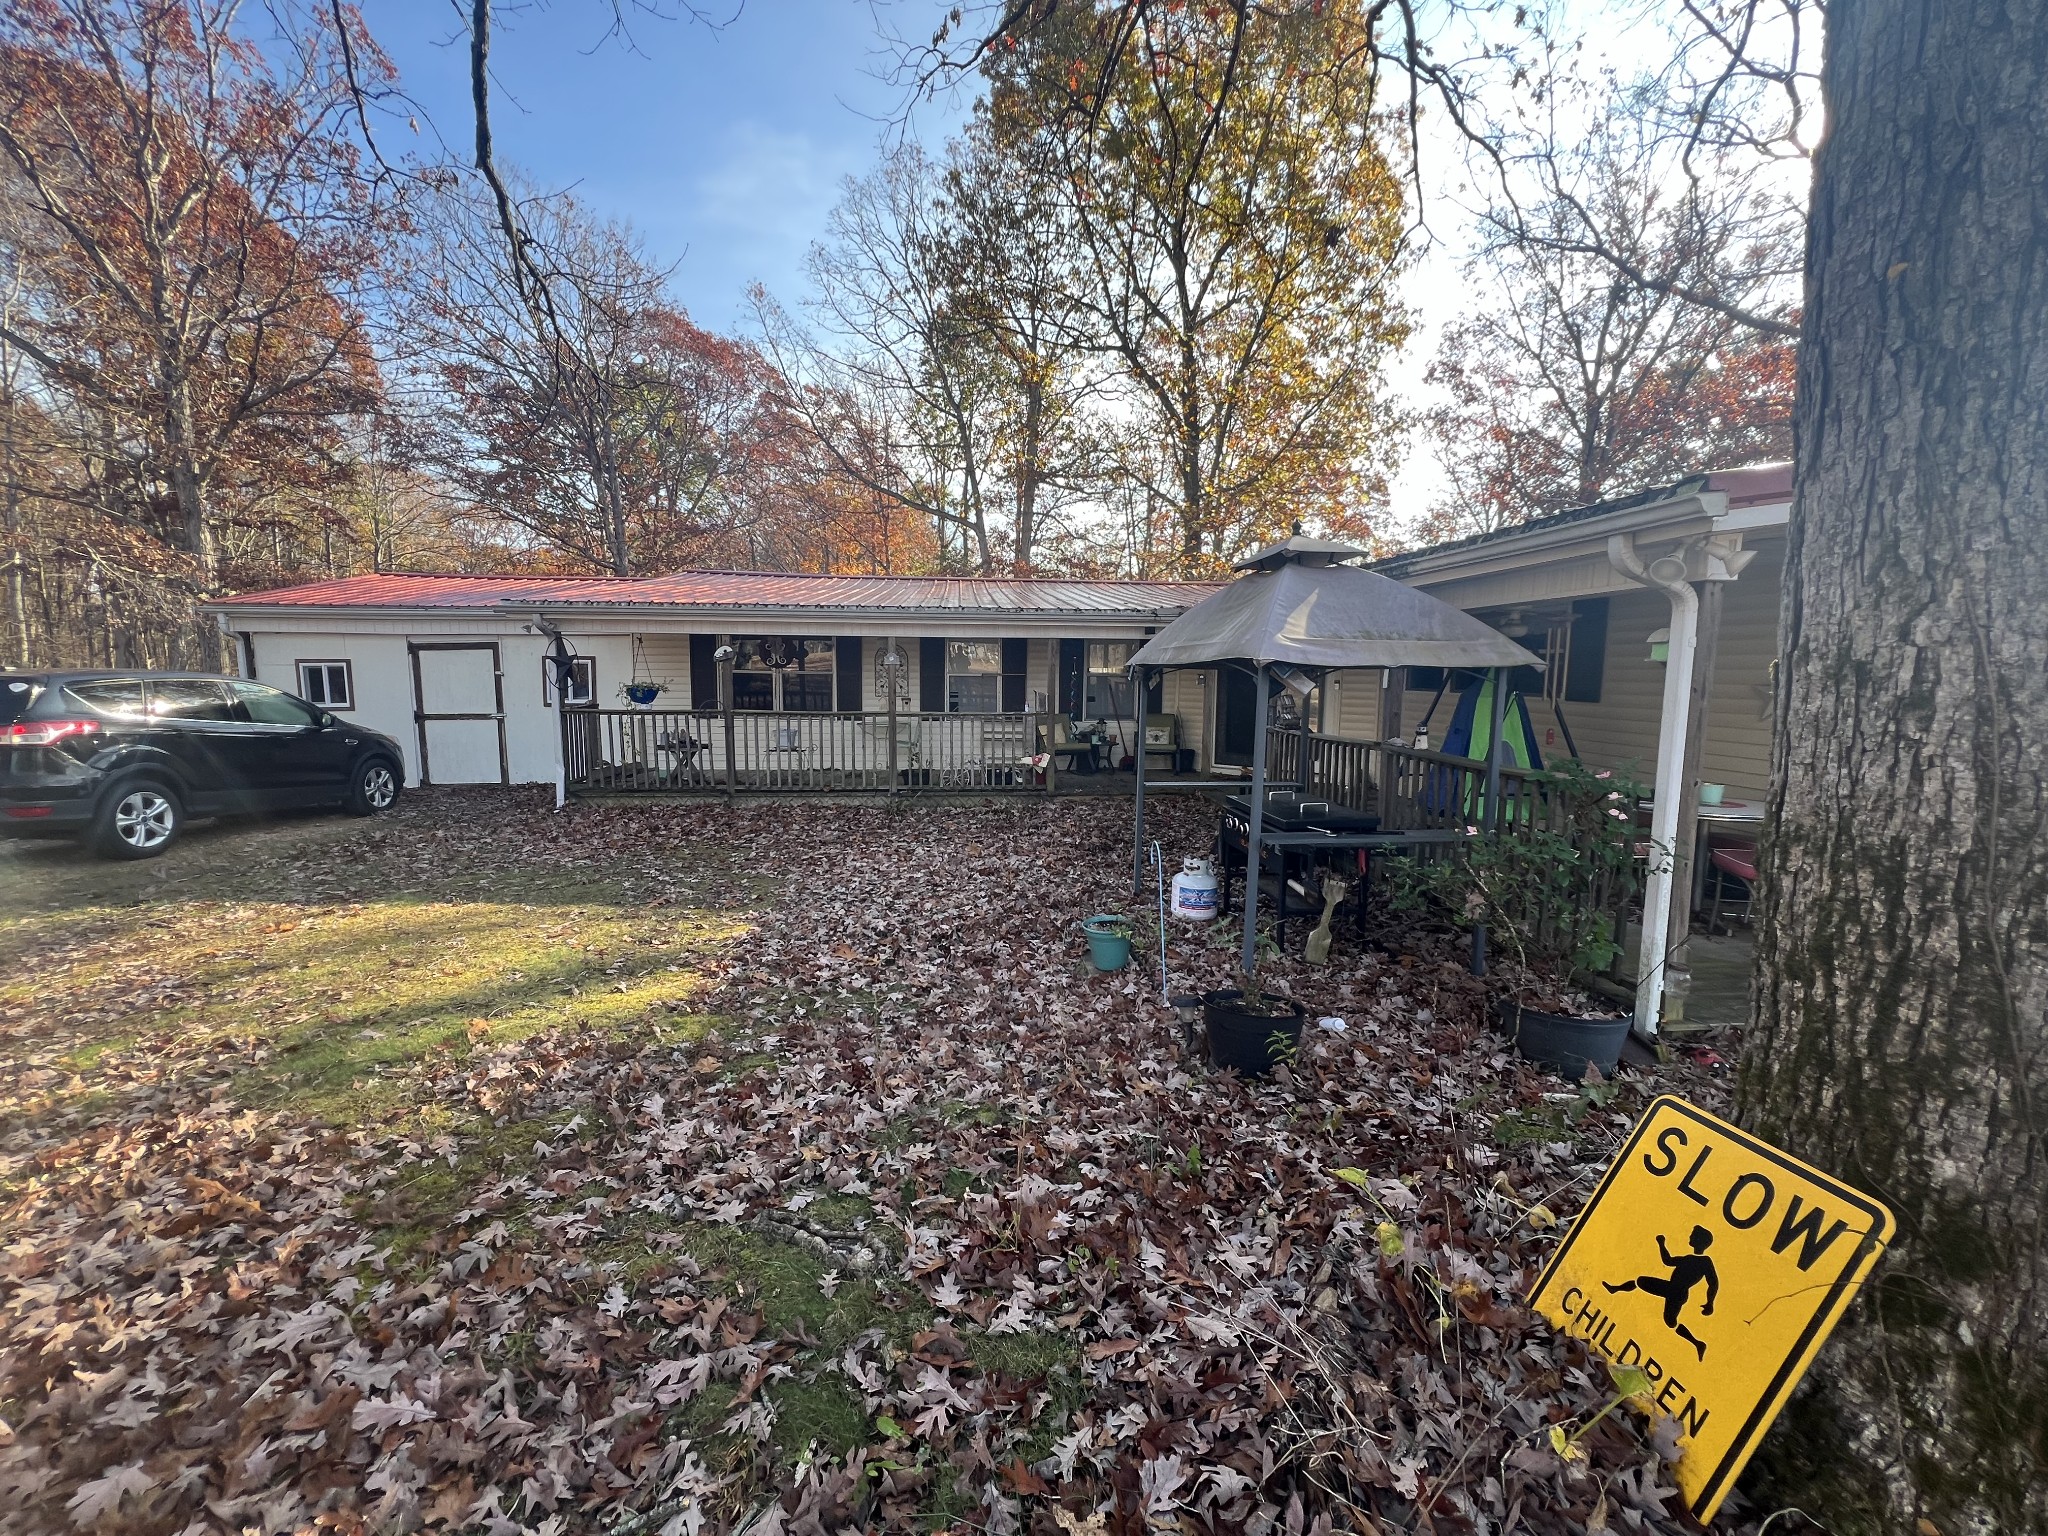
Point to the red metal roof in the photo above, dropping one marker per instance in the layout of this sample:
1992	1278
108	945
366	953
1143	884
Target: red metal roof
737	589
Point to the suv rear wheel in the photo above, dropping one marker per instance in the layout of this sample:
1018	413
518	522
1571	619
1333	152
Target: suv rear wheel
373	789
138	820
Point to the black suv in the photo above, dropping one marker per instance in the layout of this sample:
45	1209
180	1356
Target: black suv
122	758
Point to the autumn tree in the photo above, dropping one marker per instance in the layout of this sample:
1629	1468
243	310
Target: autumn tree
604	424
183	201
1238	231
935	364
1567	383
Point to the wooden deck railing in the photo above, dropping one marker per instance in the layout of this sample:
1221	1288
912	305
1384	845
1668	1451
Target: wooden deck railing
1414	790
658	749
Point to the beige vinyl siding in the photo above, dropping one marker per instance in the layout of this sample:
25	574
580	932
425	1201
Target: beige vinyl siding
1737	750
1621	729
1186	693
1351	707
667	660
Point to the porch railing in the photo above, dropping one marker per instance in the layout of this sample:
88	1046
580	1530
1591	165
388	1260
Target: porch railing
658	749
1414	790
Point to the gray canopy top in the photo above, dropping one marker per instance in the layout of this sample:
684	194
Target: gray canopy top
1300	605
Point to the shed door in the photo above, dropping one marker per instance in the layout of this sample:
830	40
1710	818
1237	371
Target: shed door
459	704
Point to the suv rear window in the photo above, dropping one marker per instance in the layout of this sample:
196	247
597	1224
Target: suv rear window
188	698
108	696
17	694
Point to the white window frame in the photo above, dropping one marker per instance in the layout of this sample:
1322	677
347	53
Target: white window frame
1117	675
348	682
961	650
582	692
746	646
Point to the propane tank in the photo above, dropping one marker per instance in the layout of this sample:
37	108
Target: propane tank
1194	890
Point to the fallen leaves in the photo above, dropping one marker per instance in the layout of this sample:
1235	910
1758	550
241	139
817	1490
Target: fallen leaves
1117	1289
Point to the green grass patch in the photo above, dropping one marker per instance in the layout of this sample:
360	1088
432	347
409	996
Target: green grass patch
1524	1127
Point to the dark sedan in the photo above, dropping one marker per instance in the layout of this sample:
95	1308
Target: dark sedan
120	759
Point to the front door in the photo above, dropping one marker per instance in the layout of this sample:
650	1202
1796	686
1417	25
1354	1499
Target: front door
1236	718
459	703
299	755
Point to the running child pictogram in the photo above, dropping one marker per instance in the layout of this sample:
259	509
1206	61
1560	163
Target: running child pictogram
1687	1271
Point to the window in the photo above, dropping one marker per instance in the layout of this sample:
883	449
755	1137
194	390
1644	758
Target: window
783	672
110	697
974	677
264	705
327	683
582	691
184	698
1107	694
1586	665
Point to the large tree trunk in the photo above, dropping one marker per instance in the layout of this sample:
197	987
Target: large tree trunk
1900	1031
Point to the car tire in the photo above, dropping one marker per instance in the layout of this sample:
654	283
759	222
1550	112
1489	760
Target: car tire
138	819
374	788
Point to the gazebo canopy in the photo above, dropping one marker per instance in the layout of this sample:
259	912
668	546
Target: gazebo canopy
1299	605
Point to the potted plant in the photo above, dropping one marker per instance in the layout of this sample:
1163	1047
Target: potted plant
1251	1030
641	693
1545	886
1109	941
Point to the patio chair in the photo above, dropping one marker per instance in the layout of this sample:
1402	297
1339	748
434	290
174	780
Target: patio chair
1725	862
1068	749
1162	739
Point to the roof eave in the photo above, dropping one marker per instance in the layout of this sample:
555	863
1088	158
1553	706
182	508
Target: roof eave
1509	547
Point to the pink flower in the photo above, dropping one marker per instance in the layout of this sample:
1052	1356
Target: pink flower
1604	773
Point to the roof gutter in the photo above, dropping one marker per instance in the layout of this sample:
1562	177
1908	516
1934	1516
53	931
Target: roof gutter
1629	520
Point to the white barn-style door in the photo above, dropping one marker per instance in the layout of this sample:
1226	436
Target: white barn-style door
459	704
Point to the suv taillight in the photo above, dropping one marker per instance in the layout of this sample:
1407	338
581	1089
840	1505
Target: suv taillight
44	733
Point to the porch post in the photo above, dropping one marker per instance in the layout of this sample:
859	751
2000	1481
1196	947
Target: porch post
1490	821
891	670
725	661
1138	840
1684	874
1249	956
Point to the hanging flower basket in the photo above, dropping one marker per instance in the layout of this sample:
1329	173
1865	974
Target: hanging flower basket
641	695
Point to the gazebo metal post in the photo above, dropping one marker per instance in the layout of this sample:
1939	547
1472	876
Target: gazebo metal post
1490	822
1138	842
1249	957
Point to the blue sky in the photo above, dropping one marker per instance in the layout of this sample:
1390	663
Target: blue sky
725	148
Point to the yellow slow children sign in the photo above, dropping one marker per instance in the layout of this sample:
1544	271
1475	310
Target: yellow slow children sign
1716	1265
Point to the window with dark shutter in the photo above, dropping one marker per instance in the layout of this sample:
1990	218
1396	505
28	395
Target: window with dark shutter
847	655
1016	660
931	675
704	671
1073	673
1586	668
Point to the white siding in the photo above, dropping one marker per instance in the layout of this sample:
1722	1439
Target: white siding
381	665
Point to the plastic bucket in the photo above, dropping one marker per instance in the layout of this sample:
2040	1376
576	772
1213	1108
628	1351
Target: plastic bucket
1249	1042
1108	948
1563	1042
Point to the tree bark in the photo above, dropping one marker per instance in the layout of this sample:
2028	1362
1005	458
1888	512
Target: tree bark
1900	1019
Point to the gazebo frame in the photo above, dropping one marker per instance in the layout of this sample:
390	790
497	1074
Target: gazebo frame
1313	615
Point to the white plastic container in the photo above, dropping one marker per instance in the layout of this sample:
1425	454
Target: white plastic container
1194	890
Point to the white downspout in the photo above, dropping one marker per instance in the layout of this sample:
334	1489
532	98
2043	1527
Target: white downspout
1668	573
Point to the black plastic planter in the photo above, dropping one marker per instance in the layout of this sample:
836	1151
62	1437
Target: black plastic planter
1242	1037
1563	1042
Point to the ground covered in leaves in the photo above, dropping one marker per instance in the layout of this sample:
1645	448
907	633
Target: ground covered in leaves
771	1167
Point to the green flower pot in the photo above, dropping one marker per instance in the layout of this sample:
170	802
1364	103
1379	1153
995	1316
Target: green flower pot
1109	945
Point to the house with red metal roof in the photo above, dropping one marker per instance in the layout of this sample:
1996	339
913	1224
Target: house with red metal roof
458	668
